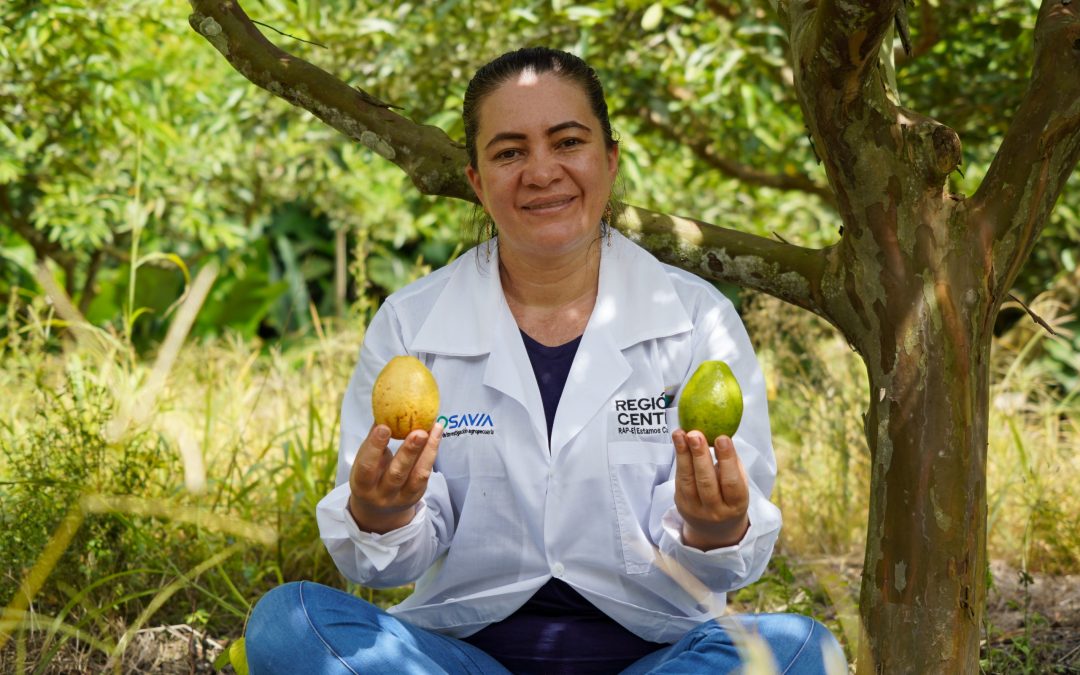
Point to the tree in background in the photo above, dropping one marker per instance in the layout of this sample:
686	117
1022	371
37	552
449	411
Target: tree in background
113	156
914	283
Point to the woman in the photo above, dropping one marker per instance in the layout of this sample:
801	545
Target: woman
552	516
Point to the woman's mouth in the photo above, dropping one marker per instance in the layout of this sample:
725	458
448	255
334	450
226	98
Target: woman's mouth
548	205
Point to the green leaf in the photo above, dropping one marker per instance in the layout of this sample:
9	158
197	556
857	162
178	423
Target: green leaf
369	25
650	20
238	657
171	257
222	660
584	14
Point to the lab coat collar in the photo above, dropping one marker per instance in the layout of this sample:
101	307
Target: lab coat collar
635	302
471	318
468	309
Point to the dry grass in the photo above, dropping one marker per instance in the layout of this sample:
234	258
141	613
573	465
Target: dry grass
818	395
262	421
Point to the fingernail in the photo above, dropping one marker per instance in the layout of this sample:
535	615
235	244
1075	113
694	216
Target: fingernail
382	433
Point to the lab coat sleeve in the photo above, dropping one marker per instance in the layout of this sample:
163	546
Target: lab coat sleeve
400	556
719	335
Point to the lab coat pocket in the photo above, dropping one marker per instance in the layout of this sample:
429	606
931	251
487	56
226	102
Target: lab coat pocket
635	468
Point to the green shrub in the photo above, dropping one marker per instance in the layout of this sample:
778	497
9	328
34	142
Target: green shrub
57	456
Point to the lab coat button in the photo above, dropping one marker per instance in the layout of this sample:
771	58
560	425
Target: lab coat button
557	570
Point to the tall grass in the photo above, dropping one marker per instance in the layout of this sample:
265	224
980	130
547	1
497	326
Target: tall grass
98	448
144	532
817	391
1034	466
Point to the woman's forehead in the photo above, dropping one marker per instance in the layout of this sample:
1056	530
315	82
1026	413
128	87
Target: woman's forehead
529	99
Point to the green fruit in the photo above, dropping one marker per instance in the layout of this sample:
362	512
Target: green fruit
405	396
711	401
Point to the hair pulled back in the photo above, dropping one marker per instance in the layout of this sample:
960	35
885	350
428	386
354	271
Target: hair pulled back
536	60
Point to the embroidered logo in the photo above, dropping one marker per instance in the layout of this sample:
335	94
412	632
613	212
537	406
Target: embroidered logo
460	424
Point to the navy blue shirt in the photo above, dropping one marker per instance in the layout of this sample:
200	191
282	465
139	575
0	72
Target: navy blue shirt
558	631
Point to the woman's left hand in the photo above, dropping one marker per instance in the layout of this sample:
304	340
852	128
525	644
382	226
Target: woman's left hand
711	498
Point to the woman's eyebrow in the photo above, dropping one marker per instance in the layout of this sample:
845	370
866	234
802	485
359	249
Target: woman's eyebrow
518	136
572	124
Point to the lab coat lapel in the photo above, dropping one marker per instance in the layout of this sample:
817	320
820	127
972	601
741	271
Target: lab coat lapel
598	371
635	302
509	371
471	318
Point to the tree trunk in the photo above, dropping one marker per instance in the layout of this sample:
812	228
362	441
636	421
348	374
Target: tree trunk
924	573
925	567
914	285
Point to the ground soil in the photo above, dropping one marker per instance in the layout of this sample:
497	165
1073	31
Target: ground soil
1036	615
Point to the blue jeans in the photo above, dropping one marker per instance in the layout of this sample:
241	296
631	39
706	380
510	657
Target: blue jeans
303	627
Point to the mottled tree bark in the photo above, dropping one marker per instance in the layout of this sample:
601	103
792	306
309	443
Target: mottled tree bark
914	283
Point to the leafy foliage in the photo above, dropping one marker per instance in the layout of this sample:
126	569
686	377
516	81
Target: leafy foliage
270	451
104	102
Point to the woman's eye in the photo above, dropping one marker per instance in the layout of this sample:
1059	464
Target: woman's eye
506	154
570	142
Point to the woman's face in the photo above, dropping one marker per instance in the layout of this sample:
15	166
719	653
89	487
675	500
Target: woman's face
543	172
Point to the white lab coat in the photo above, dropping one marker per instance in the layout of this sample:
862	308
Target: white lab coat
502	513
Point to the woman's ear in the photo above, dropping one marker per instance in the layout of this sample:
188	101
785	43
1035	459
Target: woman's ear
613	161
474	180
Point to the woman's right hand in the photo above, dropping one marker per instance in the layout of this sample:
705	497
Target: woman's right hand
386	487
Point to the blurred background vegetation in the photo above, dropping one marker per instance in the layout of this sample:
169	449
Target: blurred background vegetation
133	156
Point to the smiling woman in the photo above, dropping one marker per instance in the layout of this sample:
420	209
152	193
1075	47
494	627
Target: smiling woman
562	523
542	162
545	170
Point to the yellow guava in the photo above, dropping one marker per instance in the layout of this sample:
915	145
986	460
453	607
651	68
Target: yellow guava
405	396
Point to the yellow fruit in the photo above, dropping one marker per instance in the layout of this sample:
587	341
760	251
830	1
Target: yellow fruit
712	401
405	396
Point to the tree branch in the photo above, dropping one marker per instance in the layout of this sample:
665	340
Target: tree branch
43	248
791	273
865	141
1039	151
929	35
426	154
436	165
1035	317
843	41
88	291
729	167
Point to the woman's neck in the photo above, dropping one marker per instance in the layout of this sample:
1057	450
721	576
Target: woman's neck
551	299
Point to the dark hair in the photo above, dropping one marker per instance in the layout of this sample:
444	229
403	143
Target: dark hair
538	60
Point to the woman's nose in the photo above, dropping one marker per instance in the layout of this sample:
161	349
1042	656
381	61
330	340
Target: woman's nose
541	169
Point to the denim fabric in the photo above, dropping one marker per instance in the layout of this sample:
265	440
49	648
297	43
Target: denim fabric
303	627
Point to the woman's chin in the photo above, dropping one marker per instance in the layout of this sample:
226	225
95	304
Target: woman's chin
553	239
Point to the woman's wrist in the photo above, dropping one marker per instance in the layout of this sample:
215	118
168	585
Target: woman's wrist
378	523
715	535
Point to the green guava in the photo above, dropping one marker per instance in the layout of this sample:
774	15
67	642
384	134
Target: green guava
711	401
